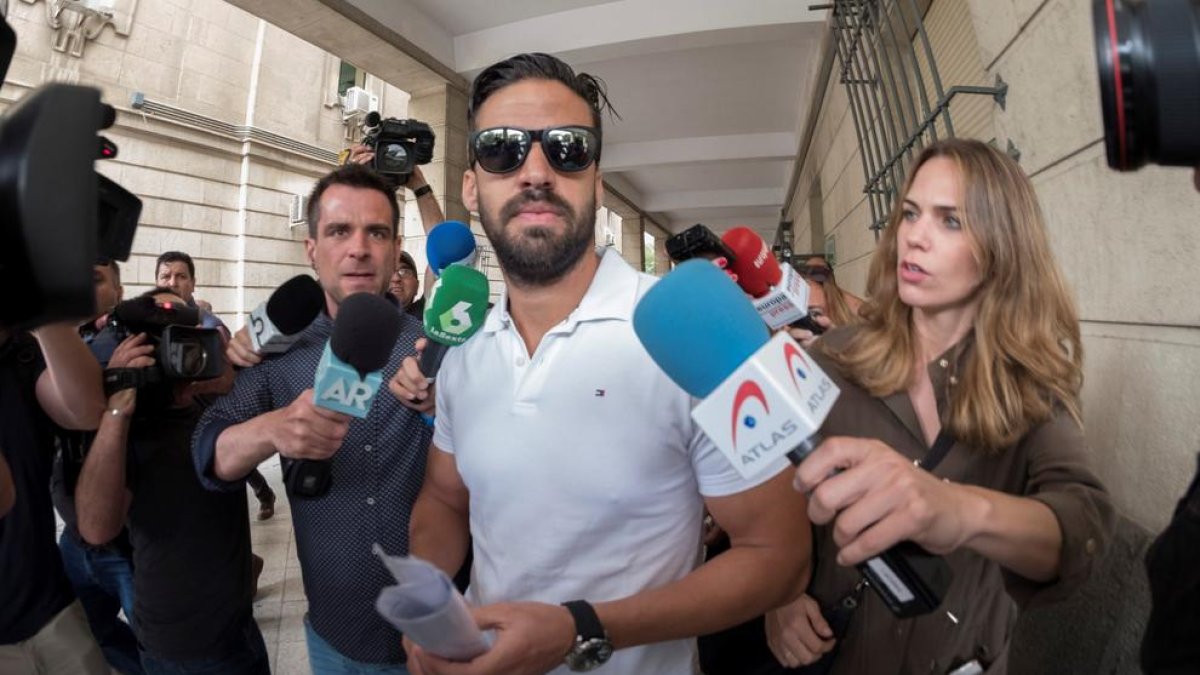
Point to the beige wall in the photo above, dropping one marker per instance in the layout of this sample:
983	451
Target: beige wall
1128	243
206	190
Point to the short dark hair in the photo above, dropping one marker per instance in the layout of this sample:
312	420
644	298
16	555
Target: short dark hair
356	176
175	256
538	66
112	265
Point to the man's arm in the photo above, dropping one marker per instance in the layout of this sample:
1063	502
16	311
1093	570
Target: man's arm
71	389
101	496
8	493
431	216
301	430
438	530
767	563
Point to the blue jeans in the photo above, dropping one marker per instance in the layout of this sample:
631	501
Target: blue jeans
103	580
249	657
325	660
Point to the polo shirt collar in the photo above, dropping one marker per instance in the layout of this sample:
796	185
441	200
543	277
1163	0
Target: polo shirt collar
611	295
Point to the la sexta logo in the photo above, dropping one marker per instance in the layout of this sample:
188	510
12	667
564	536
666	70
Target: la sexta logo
747	391
798	366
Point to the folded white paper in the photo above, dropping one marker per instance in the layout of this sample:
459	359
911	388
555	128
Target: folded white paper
425	606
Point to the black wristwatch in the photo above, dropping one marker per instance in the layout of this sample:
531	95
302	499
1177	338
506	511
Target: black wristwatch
592	648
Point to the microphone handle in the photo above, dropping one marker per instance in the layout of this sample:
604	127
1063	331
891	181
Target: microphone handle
431	358
910	580
805	448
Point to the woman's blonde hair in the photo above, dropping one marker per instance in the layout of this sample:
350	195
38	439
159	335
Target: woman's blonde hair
1027	356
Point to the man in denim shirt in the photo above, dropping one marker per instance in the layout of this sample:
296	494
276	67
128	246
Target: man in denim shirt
377	462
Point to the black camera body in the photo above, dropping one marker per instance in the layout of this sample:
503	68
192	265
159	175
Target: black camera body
698	242
57	214
399	145
183	352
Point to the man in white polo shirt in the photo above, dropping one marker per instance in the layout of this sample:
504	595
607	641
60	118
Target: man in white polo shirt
560	448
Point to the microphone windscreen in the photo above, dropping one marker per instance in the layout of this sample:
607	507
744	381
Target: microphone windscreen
756	269
295	304
448	243
365	331
458	305
698	326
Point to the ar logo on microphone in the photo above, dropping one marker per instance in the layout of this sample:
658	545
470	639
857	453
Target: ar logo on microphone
354	397
747	391
456	320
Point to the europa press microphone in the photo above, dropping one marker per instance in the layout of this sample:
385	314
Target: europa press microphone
348	375
763	398
275	324
449	243
457	304
780	294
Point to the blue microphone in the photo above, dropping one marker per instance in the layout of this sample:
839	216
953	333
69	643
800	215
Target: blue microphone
450	243
764	399
698	326
348	375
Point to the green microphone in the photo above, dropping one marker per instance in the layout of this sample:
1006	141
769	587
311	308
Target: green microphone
453	313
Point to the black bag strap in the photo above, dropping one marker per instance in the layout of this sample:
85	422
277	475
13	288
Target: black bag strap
941	448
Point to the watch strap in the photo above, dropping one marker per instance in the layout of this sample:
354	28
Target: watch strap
422	191
587	623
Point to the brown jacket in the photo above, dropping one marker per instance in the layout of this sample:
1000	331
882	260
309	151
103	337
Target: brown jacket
1051	464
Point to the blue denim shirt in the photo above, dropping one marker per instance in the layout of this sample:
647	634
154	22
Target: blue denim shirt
377	474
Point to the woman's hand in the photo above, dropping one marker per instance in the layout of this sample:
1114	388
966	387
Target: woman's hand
875	498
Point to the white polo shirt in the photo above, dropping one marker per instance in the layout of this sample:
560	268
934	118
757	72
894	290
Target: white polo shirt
584	466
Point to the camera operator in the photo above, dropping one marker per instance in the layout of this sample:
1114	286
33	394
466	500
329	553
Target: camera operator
1172	640
193	584
46	378
102	576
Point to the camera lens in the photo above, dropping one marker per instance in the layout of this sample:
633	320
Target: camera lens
188	358
1149	59
392	158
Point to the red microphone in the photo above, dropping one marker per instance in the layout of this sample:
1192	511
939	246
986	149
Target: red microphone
756	269
780	295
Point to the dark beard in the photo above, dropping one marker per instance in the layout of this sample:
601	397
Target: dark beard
539	258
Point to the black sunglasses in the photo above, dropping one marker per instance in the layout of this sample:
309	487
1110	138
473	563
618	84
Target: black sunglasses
504	149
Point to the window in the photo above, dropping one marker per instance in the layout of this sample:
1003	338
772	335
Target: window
350	75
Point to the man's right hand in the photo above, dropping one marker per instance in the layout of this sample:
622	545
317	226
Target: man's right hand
797	632
304	430
410	386
240	352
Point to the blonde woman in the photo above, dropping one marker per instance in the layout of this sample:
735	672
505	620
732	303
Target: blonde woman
970	332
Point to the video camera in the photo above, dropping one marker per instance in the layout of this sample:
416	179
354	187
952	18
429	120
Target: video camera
1148	53
57	215
399	145
183	352
698	242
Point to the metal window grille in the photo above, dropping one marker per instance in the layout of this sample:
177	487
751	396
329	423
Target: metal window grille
896	96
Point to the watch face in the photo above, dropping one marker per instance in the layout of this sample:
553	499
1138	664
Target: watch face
589	654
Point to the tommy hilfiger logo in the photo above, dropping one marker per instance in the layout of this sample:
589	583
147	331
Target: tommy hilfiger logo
600	393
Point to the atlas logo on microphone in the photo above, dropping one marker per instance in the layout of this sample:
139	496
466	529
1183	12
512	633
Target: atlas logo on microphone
763	412
798	368
749	391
